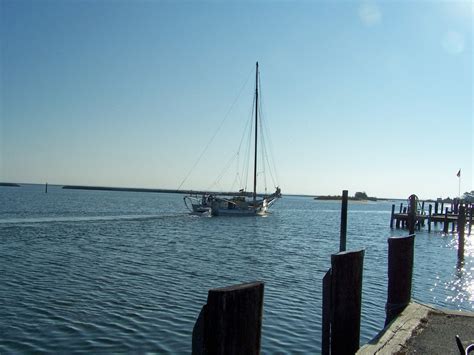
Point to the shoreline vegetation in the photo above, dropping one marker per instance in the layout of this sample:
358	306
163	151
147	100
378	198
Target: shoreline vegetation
359	196
9	184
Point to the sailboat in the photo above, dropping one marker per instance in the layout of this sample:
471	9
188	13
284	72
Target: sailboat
241	203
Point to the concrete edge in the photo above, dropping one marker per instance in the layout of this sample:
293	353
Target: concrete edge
393	337
396	333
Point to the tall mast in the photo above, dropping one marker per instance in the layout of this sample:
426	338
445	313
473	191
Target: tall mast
256	135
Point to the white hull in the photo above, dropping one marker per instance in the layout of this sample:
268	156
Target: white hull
209	205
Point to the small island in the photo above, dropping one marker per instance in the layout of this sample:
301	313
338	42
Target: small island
359	196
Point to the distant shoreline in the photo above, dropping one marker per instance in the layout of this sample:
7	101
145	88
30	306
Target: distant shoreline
170	191
338	198
9	184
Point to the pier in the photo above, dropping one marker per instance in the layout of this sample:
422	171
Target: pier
448	216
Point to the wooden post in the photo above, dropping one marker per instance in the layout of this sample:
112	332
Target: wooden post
404	221
436	207
326	316
346	291
401	207
411	218
442	208
455	205
233	320
342	240
400	271
470	219
46	188
430	207
446	223
391	216
461	227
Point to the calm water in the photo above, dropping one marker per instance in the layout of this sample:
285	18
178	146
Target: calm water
92	271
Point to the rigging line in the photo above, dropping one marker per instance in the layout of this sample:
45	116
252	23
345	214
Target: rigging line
227	166
246	162
244	134
263	133
269	155
215	133
263	149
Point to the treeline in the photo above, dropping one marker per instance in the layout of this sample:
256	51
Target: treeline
358	196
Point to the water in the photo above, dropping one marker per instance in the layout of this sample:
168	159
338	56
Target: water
100	271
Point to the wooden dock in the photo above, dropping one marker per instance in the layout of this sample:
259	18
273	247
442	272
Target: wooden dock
449	218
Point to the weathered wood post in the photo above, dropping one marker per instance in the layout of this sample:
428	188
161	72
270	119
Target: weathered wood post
401	207
446	221
430	207
231	321
46	188
455	205
411	218
436	207
346	296
461	227
470	219
326	315
391	216
405	221
343	239
400	271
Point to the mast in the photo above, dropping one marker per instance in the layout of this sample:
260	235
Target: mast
256	135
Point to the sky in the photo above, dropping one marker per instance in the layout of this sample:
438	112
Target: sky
373	96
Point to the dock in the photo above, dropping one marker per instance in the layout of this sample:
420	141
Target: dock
437	213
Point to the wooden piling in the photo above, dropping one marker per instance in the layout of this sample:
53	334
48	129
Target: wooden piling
400	271
232	320
446	221
436	207
401	207
46	188
455	205
470	219
411	218
404	222
346	292
326	315
461	227
429	217
342	239
392	216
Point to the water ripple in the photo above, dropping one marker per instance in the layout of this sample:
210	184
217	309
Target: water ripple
134	278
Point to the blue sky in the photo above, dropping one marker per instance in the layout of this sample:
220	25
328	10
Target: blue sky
359	95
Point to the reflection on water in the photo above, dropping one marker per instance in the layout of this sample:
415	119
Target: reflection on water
129	272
